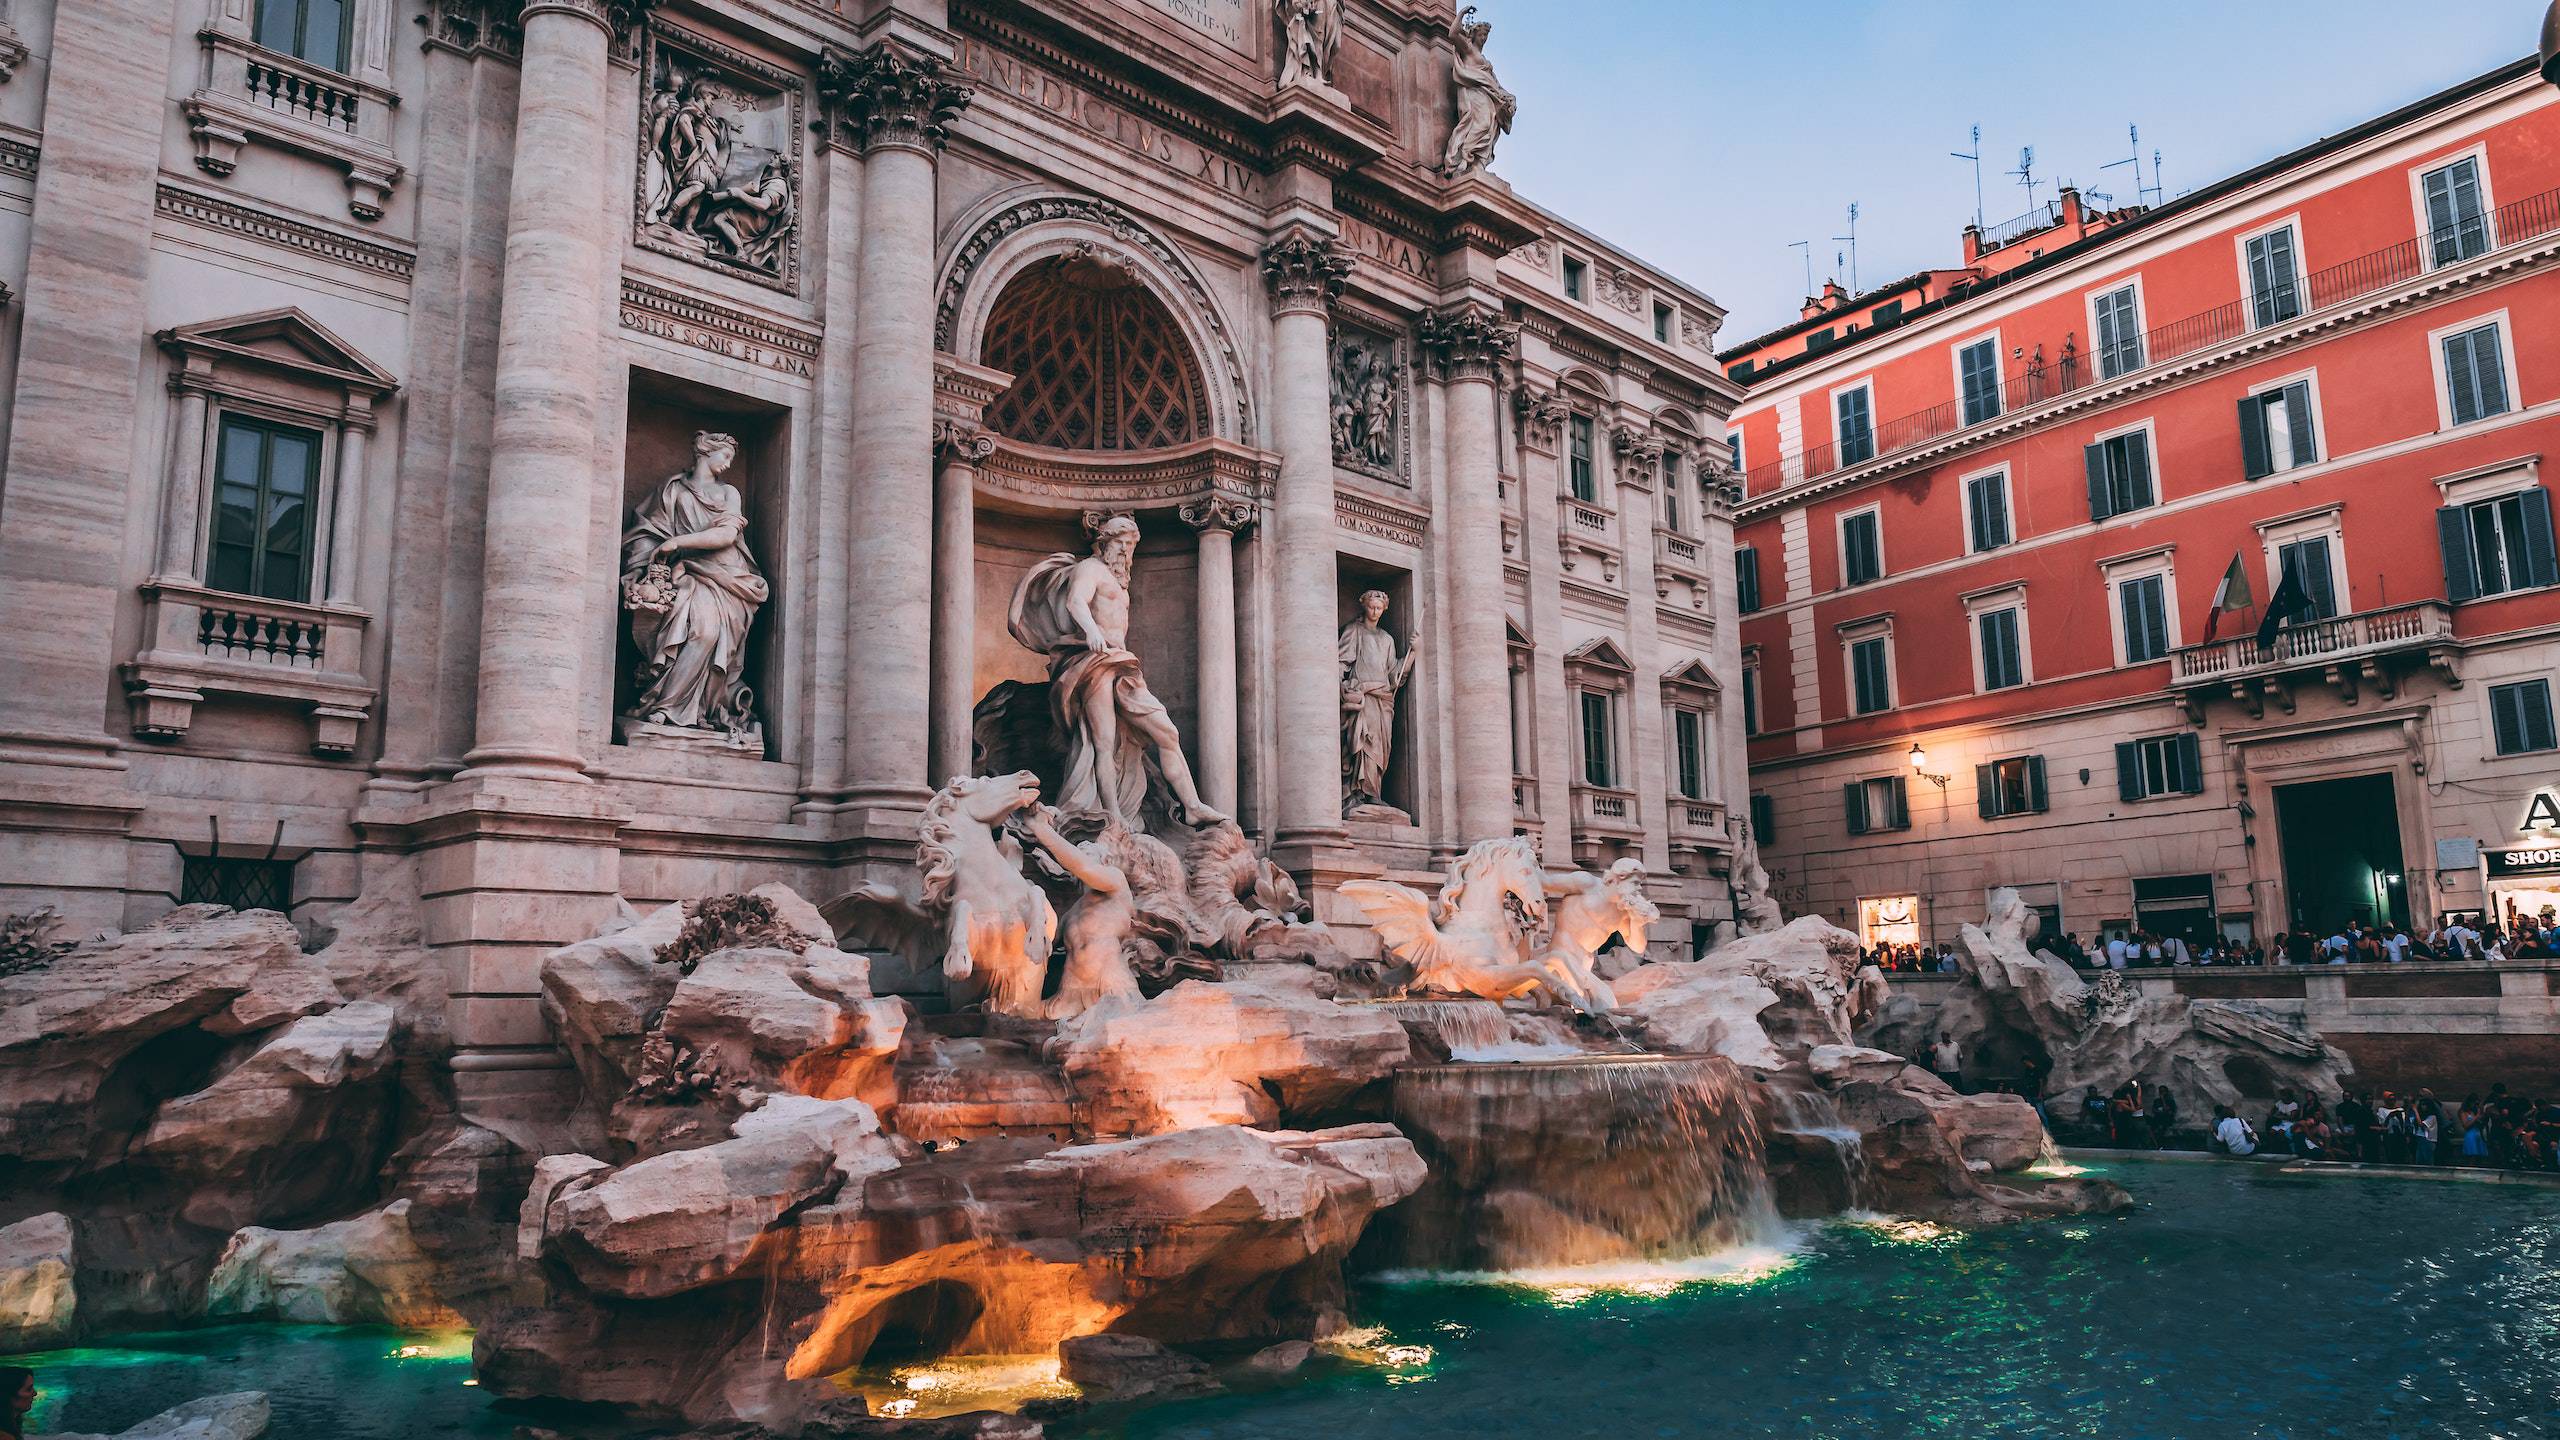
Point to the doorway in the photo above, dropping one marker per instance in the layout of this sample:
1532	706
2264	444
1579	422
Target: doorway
2341	841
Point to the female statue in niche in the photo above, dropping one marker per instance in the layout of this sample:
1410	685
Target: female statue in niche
693	589
1372	676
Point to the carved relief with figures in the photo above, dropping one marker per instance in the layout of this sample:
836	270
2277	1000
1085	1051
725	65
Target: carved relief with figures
720	178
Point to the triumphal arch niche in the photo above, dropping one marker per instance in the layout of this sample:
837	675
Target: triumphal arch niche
1090	384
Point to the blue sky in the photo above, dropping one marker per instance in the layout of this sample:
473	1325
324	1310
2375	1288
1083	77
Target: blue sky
1705	135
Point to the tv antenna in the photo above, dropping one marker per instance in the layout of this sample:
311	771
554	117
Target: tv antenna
1807	247
2142	193
2026	173
1852	238
1976	158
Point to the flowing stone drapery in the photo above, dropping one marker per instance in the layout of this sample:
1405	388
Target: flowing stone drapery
1306	270
896	102
955	594
533	641
1218	518
1470	342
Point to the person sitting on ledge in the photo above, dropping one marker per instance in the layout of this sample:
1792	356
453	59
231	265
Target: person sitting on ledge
2231	1134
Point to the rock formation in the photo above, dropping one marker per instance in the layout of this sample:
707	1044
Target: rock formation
241	1415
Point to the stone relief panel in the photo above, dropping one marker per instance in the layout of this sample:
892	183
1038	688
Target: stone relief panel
720	179
1369	403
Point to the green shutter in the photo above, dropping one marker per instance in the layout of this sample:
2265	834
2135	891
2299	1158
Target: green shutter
2256	457
2461	568
1853	802
1901	803
2539	562
2297	414
2096	458
2191	762
1986	798
2128	770
2036	801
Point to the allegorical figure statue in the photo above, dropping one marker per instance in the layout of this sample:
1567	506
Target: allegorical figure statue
1310	33
693	589
1075	610
1372	676
1485	109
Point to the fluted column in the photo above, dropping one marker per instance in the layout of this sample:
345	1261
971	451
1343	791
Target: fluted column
1217	517
1306	270
895	103
535	561
1471	342
955	595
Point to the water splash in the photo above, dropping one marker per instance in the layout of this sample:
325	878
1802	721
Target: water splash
1810	1115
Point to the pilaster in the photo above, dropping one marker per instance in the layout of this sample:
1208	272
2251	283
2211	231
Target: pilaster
1305	270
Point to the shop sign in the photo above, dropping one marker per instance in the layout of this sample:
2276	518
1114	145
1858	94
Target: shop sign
2533	860
2543	813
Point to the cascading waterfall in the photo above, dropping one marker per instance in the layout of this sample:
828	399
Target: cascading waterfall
1482	1031
1799	1117
1576	1162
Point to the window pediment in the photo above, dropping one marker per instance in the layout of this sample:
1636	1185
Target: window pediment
283	342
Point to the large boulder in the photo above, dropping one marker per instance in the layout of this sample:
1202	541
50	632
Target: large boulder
39	1284
1204	1054
1122	1368
805	1022
600	996
242	1415
1812	966
1701	1007
367	1270
1925	1151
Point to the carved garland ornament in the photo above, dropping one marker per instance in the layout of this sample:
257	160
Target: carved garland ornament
887	97
1469	341
1305	271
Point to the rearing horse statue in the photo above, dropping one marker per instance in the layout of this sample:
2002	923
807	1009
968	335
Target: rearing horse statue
1476	939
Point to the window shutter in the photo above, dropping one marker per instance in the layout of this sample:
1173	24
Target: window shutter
2539	563
2506	716
2191	762
2485	346
2453	535
2137	464
2036	802
2447	246
1853	801
2128	770
1901	802
2096	455
2297	413
1995	502
1984	792
2255	461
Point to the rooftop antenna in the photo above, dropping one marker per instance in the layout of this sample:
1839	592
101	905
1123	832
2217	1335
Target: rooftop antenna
1807	247
1852	238
1976	158
2157	187
2142	193
2026	173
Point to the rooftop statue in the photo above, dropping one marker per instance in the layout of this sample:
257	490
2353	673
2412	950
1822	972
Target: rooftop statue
1485	109
1310	33
1075	610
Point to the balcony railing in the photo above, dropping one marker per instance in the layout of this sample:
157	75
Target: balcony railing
1605	810
1697	823
2039	378
200	642
2367	633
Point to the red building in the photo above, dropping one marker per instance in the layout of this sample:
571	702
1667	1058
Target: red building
1988	511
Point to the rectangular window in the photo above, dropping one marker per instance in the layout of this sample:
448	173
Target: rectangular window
1978	380
2457	220
1599	741
1986	509
1870	676
1581	470
1750	700
313	30
2275	430
1662	322
1689	752
2497	545
239	884
2275	286
1733	450
2143	603
2014	786
1861	549
2002	666
2475	375
1746	580
2307	561
1671	489
264	478
1883	803
2119	474
1764	819
2522	713
1577	279
1855	410
2119	333
2160	765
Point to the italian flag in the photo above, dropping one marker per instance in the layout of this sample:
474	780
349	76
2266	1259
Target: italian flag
2231	594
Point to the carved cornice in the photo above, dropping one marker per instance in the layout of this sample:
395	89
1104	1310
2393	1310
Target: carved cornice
1305	271
243	221
718	329
1220	510
890	97
1368	515
1069	481
1542	415
1469	342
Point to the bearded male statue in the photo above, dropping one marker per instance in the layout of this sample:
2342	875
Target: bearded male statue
1075	610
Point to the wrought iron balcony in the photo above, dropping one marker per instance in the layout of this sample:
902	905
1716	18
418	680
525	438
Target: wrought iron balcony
2367	648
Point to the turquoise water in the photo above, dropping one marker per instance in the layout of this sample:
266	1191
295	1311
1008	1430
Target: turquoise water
2235	1302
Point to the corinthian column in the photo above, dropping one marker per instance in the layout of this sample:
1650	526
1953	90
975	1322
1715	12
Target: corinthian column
895	103
1470	342
1218	517
1305	270
542	449
955	594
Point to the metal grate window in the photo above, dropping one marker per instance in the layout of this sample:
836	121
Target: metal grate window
239	884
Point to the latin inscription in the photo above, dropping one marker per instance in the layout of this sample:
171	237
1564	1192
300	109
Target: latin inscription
1220	20
1391	250
1085	112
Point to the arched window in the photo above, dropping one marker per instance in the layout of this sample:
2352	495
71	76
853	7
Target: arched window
1097	361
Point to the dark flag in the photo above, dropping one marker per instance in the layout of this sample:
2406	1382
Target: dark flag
2289	602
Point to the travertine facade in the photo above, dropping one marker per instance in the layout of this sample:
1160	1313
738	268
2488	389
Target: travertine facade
349	367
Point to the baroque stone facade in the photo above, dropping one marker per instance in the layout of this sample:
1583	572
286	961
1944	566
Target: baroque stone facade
334	397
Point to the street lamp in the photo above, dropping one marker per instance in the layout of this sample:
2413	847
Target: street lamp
1920	757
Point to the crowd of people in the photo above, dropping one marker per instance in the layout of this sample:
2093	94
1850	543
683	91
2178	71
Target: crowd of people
2353	942
2497	1130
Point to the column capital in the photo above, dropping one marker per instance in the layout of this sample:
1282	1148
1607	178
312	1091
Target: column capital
1470	341
617	17
1305	270
891	97
1220	510
1638	452
957	440
1542	415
